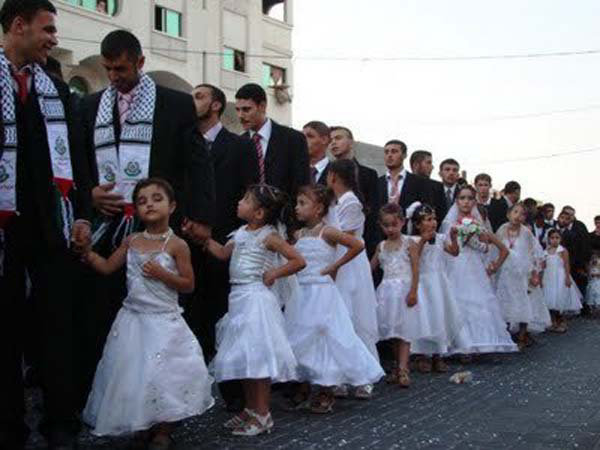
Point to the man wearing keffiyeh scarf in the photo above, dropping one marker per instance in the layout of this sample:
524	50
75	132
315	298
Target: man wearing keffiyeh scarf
44	211
135	129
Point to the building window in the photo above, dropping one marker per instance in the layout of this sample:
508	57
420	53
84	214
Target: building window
79	86
274	9
273	76
167	21
108	7
234	60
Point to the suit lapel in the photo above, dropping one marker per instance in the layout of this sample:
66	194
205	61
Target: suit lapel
274	144
383	189
218	148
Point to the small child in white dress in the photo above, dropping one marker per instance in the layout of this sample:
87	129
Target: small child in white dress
518	280
252	345
398	311
320	331
152	371
592	292
484	329
439	321
560	291
354	279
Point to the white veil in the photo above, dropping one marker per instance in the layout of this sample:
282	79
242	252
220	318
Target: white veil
452	218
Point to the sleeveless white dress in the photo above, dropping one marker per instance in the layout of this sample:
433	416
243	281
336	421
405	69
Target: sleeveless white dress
395	318
557	295
354	280
152	369
519	301
440	322
328	350
484	329
251	338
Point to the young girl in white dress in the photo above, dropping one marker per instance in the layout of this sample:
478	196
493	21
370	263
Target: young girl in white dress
439	323
484	329
328	351
518	280
398	312
354	280
152	371
560	292
592	292
252	345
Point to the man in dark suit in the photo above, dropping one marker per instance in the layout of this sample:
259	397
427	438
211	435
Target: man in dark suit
281	151
540	228
398	185
176	153
342	142
499	207
34	235
236	168
421	164
549	214
318	139
576	239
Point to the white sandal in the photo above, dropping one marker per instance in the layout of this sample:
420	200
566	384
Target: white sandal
256	425
238	420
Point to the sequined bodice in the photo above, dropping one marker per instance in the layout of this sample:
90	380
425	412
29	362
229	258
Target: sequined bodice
318	254
432	257
395	263
250	258
145	294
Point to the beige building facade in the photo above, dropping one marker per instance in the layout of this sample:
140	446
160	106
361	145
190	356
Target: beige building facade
186	42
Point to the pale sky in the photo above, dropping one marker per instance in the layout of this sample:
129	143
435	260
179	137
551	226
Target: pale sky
459	108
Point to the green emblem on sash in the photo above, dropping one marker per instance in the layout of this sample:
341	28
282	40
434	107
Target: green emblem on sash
132	169
60	146
3	174
109	173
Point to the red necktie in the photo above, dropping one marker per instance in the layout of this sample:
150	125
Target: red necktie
259	155
21	78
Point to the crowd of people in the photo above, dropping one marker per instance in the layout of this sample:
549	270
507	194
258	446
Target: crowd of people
146	252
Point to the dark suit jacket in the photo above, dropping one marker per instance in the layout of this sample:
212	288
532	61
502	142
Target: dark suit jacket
286	162
36	199
367	183
577	242
414	189
545	229
177	153
236	167
437	199
497	210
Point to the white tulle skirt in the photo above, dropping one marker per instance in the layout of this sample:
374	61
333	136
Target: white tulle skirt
540	314
592	292
484	330
557	295
328	351
355	282
152	371
512	286
251	338
437	320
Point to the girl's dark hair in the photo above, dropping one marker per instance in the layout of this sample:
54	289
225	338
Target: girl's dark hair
320	194
275	202
154	181
518	204
392	209
554	231
465	185
419	214
347	171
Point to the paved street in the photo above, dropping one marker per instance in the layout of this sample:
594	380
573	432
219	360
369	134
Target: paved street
546	398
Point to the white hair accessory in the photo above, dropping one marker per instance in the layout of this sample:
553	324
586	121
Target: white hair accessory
410	211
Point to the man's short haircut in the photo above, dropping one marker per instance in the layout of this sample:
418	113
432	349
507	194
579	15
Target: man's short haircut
118	42
418	156
252	91
511	187
344	129
399	143
217	95
320	127
596	219
27	9
483	177
450	162
530	202
568	207
54	67
548	205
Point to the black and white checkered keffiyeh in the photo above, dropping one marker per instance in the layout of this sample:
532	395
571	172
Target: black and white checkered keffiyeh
136	131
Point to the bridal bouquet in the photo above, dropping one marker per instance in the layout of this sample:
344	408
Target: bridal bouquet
468	227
